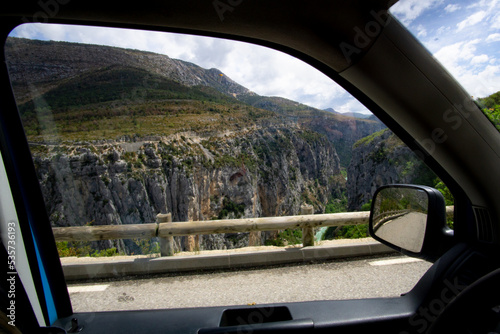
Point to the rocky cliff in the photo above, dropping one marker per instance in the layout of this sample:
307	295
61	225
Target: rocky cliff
342	130
381	159
254	173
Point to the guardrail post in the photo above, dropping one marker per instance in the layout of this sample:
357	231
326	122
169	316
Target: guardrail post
254	238
193	243
166	243
307	232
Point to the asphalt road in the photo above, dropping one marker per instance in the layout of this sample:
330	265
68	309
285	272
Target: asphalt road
348	279
406	231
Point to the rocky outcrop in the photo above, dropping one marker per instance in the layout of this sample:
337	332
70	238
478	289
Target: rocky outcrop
382	159
344	131
254	173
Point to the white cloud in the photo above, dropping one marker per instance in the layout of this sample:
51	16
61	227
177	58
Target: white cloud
493	37
422	32
25	31
479	59
271	73
452	8
350	105
461	61
495	22
408	10
452	56
488	4
472	20
441	30
483	83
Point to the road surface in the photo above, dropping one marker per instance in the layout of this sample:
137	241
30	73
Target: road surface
406	231
348	279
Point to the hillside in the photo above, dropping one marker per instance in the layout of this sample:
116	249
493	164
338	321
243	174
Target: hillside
381	159
90	88
120	135
74	59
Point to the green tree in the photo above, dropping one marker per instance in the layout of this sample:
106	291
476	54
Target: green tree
367	206
493	115
336	205
490	106
448	197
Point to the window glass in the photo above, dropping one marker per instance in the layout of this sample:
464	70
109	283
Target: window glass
131	129
465	38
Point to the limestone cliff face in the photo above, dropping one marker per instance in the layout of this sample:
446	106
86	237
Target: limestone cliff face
253	173
382	159
344	132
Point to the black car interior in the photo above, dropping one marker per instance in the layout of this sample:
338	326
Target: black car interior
393	75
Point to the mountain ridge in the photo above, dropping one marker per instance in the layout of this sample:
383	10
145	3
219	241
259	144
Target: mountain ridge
150	87
350	113
79	58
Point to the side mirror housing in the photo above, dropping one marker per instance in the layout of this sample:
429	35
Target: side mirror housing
411	219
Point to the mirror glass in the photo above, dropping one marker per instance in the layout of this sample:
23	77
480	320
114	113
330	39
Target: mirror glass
400	217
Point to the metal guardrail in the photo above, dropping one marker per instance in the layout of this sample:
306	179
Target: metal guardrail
166	230
388	214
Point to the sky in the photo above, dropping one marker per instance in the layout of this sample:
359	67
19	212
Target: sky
463	35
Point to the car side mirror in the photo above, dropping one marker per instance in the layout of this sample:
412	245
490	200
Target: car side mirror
411	219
